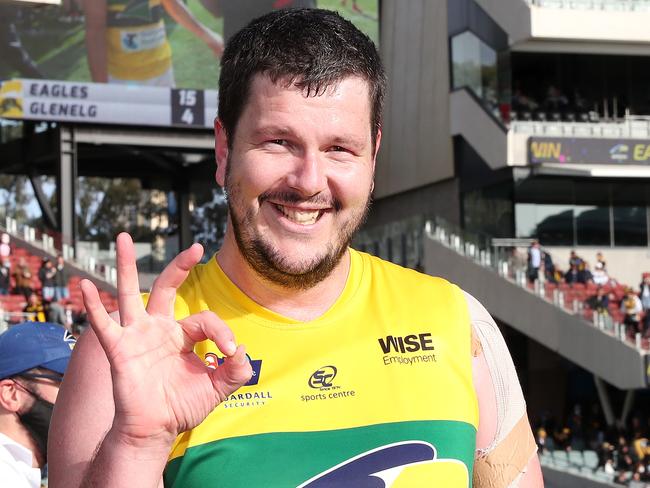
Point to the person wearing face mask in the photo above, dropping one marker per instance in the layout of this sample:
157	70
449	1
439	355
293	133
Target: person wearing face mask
33	359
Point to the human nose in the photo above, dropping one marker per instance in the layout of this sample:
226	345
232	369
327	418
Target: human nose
309	176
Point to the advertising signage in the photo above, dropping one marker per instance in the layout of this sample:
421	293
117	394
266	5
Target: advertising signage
141	62
588	150
107	104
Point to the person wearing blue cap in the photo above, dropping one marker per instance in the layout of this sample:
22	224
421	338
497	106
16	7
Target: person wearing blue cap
33	359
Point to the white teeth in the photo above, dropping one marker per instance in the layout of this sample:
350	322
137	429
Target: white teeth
300	216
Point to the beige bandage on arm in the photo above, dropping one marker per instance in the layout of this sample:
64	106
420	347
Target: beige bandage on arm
503	462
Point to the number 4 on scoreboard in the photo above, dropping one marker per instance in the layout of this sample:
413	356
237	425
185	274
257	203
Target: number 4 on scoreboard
187	107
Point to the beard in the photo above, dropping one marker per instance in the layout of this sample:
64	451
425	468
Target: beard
268	261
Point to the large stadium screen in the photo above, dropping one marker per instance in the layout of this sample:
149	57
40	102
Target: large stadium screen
137	62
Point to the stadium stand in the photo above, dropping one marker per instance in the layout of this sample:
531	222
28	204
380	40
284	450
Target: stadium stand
32	253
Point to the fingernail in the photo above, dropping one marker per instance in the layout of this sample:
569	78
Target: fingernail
231	348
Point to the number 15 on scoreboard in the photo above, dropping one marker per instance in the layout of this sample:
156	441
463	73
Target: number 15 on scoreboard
188	107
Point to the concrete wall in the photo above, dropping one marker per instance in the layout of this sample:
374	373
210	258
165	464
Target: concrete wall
512	15
416	147
474	124
590	25
568	335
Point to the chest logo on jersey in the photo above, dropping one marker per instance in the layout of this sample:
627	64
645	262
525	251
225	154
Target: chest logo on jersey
242	398
323	380
407	350
212	361
399	465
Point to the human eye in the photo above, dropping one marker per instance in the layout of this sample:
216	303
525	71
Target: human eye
339	149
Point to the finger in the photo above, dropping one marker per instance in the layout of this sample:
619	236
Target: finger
106	329
163	292
207	325
128	288
234	373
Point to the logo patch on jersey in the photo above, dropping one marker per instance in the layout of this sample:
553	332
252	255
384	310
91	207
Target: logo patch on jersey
408	350
399	465
323	377
212	361
323	380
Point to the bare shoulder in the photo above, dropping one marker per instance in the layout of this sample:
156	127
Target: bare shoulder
506	450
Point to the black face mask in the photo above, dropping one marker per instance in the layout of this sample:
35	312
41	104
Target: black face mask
37	422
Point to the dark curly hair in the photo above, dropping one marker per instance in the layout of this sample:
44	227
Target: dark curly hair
312	49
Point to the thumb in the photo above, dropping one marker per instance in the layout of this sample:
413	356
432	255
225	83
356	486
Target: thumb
233	373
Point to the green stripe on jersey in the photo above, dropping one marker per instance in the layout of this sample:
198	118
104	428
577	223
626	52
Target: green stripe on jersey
289	459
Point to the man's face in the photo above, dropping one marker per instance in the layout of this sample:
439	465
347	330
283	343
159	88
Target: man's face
298	176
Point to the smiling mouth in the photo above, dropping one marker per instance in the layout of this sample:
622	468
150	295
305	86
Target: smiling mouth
300	217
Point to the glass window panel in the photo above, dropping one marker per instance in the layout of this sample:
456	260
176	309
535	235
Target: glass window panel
630	226
466	62
488	74
592	225
551	224
525	219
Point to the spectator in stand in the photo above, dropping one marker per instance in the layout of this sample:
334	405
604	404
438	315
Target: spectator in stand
574	259
33	359
5	246
555	101
23	279
46	274
599	302
632	308
571	276
549	268
5	276
584	275
61	291
601	260
644	296
56	313
534	261
644	292
600	276
541	439
563	439
35	308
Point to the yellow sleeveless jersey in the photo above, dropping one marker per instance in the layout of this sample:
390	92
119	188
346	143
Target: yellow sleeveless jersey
137	41
377	392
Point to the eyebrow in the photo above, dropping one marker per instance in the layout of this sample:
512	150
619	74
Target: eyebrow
272	131
283	131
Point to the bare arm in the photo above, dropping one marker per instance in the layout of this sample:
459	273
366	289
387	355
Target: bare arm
181	14
95	13
506	450
126	393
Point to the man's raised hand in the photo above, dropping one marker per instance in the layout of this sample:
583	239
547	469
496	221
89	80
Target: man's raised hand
160	386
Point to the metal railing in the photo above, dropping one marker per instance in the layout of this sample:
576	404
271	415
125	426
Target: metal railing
633	127
607	5
402	242
52	244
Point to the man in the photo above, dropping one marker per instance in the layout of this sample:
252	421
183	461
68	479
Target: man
47	276
534	261
61	291
357	370
33	359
